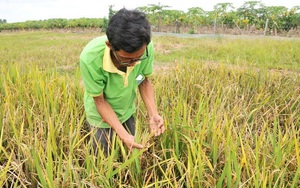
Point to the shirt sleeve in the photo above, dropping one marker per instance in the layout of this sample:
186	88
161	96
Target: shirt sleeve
93	79
148	69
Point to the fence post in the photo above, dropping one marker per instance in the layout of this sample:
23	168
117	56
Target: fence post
266	27
176	26
215	25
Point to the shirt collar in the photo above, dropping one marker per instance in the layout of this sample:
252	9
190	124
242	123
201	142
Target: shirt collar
109	66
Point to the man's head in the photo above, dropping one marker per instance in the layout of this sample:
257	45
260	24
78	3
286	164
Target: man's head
128	30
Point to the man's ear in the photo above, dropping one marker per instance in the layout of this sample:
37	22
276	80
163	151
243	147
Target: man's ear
109	45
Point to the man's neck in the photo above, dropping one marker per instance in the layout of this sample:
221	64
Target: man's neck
121	68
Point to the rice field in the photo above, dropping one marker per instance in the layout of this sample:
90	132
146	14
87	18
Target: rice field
231	107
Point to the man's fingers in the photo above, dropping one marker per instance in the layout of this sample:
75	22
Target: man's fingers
160	123
152	130
130	143
136	145
162	129
159	131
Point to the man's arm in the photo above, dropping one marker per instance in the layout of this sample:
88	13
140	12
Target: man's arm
147	94
110	117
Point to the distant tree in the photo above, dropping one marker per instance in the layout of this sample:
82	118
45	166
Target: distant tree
195	16
104	24
72	23
105	21
294	21
33	25
224	13
111	12
253	13
3	21
155	13
170	16
56	23
276	16
173	18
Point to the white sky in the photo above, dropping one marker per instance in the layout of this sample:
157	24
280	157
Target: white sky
23	10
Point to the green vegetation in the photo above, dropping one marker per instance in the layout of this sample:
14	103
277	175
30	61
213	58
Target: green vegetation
252	15
57	23
231	108
2	21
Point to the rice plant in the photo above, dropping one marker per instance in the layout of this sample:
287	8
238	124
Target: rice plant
231	108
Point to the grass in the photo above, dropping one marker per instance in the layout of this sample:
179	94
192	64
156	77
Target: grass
267	53
231	109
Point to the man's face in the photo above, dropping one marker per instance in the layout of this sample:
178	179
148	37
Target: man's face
129	59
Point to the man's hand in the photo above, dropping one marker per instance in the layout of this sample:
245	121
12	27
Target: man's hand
109	116
156	125
128	140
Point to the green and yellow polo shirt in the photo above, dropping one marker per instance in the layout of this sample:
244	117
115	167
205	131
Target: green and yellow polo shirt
100	76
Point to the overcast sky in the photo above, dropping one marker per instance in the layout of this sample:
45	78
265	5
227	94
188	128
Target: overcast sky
23	10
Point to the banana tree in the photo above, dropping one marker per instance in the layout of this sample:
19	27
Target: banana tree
294	21
155	13
276	16
222	11
252	13
173	18
195	16
2	21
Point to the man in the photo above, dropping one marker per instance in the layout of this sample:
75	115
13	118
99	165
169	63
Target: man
113	67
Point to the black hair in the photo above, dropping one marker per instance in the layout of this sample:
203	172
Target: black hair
128	30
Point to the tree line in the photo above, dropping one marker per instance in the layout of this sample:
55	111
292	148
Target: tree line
2	21
56	23
252	14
